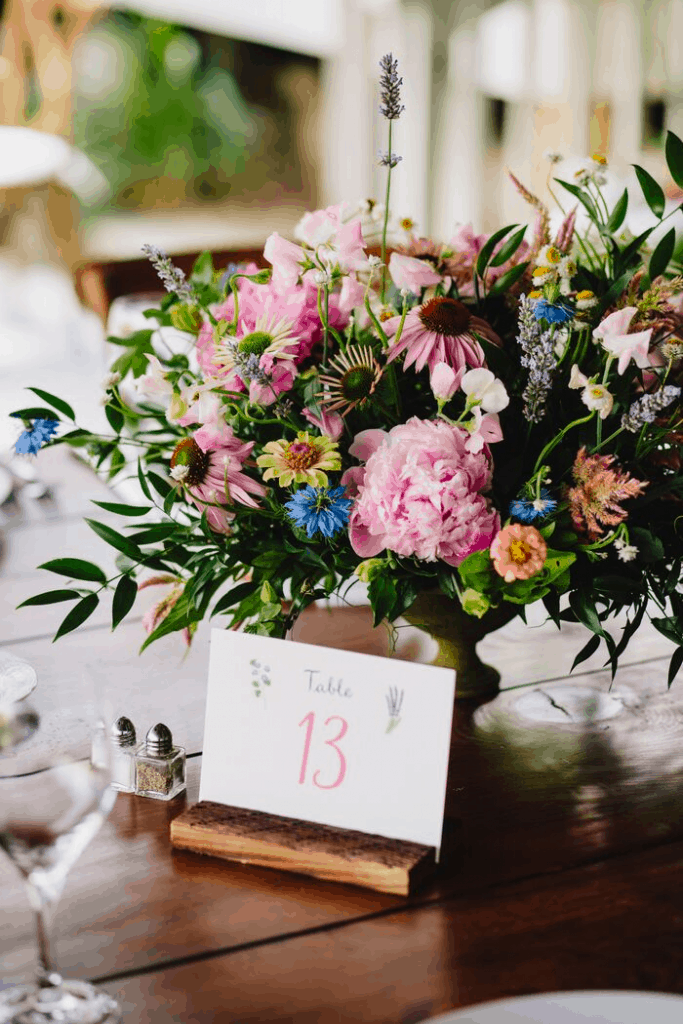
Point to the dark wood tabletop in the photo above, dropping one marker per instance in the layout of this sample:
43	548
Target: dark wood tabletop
563	842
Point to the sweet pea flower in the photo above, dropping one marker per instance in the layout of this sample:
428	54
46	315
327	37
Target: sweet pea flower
612	332
411	273
348	248
286	258
594	396
444	381
351	296
337	239
483	430
317	227
329	423
153	383
483	388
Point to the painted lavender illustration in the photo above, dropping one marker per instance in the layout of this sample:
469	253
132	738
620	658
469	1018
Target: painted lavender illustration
394	700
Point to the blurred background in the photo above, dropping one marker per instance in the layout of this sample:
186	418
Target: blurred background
194	126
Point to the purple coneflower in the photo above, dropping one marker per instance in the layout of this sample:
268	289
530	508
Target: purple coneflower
440	331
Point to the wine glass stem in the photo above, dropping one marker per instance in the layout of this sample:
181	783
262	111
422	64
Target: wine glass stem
44	906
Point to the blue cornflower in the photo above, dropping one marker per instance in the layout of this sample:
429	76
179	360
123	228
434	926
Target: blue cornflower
539	508
554	313
31	441
320	509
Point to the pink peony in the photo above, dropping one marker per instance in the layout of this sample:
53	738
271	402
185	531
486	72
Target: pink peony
420	493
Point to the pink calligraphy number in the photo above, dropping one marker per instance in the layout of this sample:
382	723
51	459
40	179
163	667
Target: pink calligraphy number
342	760
309	722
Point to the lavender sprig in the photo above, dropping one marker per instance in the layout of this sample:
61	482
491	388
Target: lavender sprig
172	278
538	356
391	108
389	159
644	409
390	89
249	368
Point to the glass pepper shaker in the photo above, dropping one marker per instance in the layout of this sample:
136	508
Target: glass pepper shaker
123	755
159	766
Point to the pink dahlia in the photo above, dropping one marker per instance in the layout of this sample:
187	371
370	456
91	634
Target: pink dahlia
209	467
440	331
420	493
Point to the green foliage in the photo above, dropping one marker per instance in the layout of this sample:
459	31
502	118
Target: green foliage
618	214
654	193
75	569
259	572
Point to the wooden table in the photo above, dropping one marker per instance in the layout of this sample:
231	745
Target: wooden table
562	861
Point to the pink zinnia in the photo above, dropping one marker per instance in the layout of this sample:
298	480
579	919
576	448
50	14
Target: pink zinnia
420	493
439	331
518	552
209	466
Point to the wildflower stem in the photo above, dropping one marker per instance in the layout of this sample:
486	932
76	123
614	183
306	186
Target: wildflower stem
386	219
235	294
607	440
375	321
399	332
322	313
556	440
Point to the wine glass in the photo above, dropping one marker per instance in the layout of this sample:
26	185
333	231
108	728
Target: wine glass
53	799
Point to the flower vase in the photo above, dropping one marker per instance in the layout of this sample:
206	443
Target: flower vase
457	635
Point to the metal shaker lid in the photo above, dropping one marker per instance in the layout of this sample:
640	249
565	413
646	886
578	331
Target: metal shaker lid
159	740
123	732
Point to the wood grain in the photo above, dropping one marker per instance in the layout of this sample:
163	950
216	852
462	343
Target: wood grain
614	925
132	901
287	844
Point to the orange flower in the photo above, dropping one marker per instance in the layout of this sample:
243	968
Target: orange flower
518	552
593	503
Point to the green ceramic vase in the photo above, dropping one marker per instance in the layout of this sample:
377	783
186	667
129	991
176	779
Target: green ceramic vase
457	635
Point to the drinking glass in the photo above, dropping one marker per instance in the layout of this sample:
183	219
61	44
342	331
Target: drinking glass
50	809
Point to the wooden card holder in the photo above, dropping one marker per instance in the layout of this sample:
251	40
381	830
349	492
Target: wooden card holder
340	855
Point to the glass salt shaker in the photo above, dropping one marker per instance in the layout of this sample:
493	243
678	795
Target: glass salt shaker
123	755
159	766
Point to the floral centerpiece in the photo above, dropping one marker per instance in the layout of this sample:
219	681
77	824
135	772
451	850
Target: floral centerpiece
467	426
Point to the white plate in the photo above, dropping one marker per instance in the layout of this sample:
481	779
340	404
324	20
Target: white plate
17	678
573	1008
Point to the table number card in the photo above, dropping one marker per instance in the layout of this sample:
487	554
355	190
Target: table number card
328	736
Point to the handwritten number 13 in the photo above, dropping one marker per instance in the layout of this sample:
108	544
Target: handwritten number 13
309	722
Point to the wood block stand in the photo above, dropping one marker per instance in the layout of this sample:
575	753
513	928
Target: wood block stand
340	855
